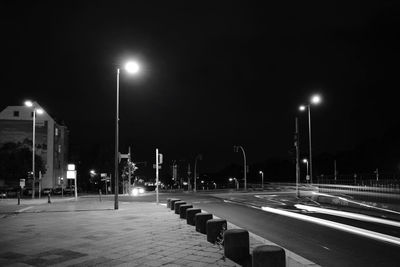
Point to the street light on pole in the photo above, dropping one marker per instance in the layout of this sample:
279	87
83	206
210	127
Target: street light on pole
236	149
38	110
315	99
262	179
307	173
131	67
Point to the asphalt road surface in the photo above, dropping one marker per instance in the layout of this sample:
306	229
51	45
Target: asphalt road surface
321	244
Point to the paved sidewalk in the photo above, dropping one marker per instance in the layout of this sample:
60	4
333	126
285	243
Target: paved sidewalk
91	233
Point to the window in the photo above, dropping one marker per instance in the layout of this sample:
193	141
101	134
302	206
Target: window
59	148
16	113
56	132
32	114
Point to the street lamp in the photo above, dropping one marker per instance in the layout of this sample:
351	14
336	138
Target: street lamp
38	110
236	149
198	157
315	99
308	174
131	67
262	179
236	182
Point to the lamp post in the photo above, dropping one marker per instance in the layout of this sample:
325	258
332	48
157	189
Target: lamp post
236	182
198	157
236	149
315	99
307	173
262	179
38	110
133	68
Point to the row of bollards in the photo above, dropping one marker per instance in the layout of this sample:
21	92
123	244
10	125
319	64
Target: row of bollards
236	242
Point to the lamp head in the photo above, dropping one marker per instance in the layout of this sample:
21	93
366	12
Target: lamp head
316	99
132	67
28	103
302	108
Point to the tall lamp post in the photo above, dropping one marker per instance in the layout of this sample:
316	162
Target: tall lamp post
307	173
38	110
236	149
131	67
315	99
262	180
198	157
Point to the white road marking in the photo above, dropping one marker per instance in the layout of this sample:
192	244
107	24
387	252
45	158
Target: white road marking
349	215
338	226
24	209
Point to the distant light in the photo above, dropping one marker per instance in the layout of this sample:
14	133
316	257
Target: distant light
230	179
302	108
261	172
39	111
28	103
305	160
92	172
71	167
315	99
132	67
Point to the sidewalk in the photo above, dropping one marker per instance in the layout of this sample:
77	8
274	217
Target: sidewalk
91	233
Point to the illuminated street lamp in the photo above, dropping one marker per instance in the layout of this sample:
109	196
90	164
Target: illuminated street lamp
315	99
308	174
236	182
262	179
131	67
38	110
236	149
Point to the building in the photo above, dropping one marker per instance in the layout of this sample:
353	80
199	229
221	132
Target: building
51	140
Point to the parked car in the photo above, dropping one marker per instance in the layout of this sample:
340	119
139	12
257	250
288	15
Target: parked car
47	191
57	191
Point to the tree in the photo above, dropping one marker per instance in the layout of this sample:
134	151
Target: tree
16	162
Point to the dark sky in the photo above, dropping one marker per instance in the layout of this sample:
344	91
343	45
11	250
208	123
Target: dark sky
215	73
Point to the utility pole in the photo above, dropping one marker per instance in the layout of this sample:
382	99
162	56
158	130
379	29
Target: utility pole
157	176
296	143
129	170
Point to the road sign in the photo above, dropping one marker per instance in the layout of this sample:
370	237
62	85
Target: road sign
22	183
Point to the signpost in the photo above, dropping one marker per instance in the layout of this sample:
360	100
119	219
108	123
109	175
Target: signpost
71	174
159	160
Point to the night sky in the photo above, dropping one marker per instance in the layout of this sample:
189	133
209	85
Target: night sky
214	73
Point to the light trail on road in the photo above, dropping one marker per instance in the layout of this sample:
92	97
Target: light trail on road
349	215
335	225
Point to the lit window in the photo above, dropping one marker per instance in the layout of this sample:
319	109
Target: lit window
16	113
56	133
59	148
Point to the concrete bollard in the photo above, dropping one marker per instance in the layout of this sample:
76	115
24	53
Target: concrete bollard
48	198
182	210
190	213
200	220
237	245
215	228
173	203
169	203
177	205
267	255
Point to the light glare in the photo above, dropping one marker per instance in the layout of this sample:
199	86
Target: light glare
302	108
132	67
28	103
39	111
316	99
